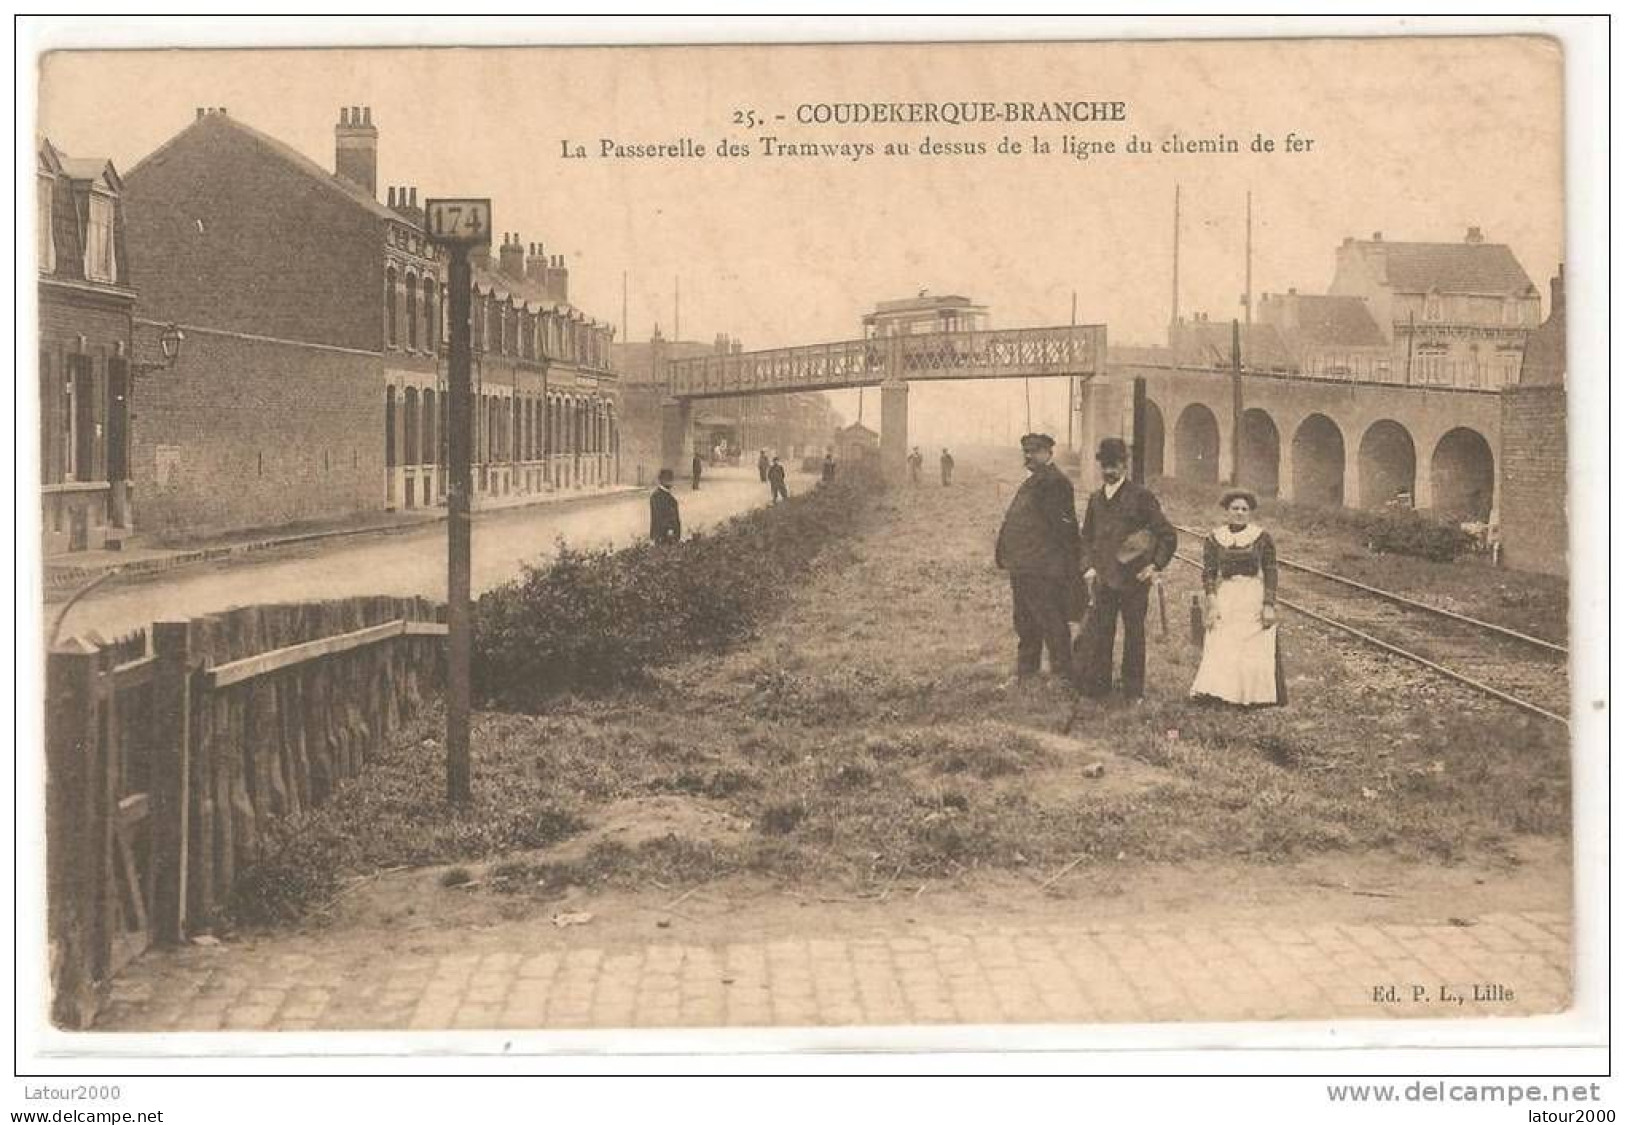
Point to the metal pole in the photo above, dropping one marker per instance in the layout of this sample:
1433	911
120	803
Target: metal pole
459	537
1137	447
1235	402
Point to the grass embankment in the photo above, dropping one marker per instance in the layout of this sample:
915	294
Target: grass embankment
865	736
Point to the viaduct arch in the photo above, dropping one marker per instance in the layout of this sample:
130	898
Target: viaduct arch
1318	441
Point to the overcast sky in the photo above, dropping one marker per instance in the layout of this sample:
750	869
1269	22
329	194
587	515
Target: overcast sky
1416	138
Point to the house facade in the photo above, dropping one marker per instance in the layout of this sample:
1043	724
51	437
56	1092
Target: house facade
86	307
313	382
1455	313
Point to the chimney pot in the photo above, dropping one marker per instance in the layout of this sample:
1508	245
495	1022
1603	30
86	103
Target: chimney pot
414	197
200	111
1376	236
355	114
1475	234
392	197
366	115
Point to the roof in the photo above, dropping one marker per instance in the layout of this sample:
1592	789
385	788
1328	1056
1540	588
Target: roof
215	122
1327	320
923	303
1449	267
1206	343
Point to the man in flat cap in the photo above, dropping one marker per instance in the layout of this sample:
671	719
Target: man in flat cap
1038	545
1127	542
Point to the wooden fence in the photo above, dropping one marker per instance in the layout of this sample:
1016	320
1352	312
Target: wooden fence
171	752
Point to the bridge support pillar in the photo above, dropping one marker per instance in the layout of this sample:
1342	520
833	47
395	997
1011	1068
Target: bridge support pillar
1105	409
894	429
676	434
1422	494
1351	480
1284	471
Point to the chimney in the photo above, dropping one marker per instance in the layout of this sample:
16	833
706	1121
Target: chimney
355	143
1475	235
558	279
1557	313
738	346
1376	236
536	266
512	262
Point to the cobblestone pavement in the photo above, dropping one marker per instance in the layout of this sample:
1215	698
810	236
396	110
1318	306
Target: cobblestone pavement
1129	971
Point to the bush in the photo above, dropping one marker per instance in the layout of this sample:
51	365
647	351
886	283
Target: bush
1403	531
598	619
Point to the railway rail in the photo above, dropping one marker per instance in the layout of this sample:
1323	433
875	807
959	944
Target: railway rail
1478	651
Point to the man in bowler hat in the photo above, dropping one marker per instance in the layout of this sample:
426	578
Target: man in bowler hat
1038	545
1127	542
665	521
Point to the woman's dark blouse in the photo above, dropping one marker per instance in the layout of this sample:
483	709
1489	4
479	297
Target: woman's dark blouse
1258	557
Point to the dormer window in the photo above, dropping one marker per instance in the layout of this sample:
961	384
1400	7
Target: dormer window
100	261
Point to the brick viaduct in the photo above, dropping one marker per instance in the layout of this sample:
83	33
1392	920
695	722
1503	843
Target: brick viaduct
1320	441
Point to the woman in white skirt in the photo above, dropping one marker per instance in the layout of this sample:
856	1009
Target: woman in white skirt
1241	656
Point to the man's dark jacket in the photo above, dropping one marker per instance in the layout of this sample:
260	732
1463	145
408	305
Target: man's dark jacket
1040	531
775	475
665	524
1107	524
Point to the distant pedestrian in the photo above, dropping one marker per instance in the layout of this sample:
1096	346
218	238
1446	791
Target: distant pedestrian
665	520
697	468
916	462
761	465
775	481
947	468
828	476
1127	542
1038	545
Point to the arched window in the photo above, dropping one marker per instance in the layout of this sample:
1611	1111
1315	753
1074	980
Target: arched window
390	309
445	320
430	332
411	427
431	444
411	311
389	427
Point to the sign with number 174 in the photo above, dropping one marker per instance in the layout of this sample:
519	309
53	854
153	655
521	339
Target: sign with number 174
458	222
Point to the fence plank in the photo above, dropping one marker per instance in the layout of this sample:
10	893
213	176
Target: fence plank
69	723
171	773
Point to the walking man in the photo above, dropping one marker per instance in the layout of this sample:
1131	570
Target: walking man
915	464
697	468
1127	542
1038	545
829	468
665	521
761	465
947	468
775	481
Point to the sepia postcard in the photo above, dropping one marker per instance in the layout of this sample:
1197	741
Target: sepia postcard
783	545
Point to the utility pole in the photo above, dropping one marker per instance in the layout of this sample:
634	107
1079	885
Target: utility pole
1072	381
1248	299
1174	318
1235	402
458	225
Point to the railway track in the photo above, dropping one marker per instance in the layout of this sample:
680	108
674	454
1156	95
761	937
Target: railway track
1526	672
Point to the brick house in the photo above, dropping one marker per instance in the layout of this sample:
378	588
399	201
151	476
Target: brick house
86	306
312	385
1456	313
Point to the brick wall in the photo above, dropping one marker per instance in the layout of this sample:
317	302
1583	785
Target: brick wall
227	232
247	433
1534	483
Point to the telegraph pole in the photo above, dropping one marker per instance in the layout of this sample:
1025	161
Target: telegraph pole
458	225
1235	402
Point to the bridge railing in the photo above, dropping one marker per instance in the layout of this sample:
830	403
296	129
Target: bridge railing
989	353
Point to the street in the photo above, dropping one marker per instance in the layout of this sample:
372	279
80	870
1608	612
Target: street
407	563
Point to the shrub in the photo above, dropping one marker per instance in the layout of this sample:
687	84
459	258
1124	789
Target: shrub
1403	531
598	619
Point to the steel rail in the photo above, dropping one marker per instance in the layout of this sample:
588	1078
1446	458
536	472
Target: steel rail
1410	603
1386	646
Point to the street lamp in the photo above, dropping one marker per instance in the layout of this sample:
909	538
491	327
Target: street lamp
169	342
